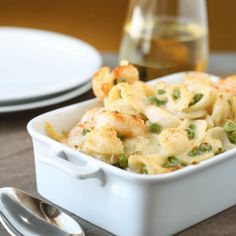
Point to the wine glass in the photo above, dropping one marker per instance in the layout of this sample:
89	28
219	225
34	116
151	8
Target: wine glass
165	36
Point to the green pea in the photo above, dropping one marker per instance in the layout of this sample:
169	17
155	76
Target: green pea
158	102
196	98
205	147
161	91
190	133
229	127
176	94
153	127
192	126
85	131
202	148
123	161
194	152
232	137
172	161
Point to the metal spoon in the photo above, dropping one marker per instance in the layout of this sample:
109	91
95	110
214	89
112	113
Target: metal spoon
22	214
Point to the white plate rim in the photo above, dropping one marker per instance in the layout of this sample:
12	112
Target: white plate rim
84	77
46	102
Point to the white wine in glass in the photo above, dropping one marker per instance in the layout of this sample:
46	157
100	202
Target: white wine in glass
165	36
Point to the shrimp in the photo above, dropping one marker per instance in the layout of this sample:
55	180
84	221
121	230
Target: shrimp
125	125
77	136
128	72
194	78
89	117
104	80
103	143
227	85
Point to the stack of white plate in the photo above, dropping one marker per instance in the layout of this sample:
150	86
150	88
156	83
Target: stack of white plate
40	68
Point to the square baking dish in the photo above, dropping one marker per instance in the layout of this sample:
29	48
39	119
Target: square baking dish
122	202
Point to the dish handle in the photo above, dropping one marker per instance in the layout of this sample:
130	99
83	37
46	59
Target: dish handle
58	159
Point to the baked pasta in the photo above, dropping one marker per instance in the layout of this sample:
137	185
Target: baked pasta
155	129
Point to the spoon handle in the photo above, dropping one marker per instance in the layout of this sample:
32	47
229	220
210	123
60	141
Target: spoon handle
9	227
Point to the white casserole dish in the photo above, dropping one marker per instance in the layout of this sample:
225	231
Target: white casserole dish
125	203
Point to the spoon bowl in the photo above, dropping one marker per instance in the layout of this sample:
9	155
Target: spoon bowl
22	214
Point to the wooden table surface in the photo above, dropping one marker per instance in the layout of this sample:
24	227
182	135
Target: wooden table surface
17	162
